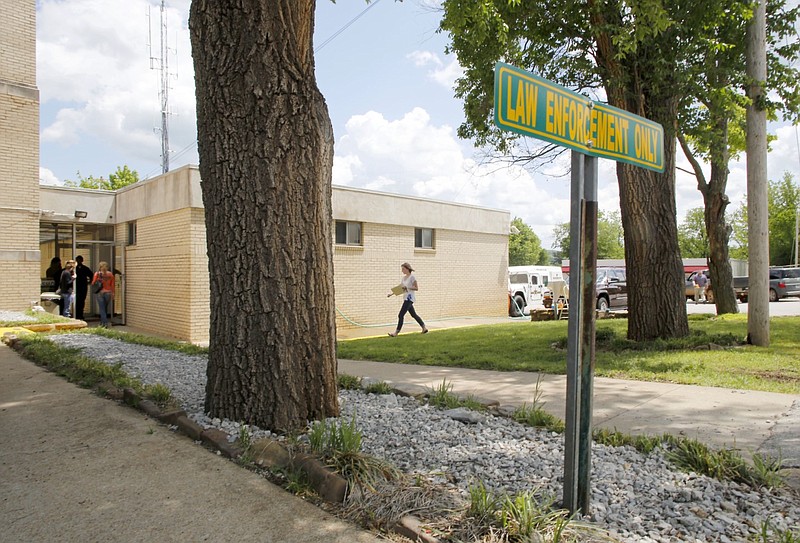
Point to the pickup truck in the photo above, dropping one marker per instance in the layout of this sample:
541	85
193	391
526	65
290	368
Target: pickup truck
739	287
611	287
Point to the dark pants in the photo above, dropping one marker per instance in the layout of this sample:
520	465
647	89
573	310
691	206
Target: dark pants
80	303
104	302
408	307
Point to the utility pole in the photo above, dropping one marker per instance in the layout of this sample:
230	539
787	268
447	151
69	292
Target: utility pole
757	212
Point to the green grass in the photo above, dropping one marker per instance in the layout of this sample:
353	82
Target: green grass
713	354
71	364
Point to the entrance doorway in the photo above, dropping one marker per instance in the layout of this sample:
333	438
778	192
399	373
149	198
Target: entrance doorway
95	243
93	253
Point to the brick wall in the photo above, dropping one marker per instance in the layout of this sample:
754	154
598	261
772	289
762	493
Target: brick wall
19	156
18	41
166	275
464	275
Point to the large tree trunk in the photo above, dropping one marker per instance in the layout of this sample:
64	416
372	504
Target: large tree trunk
266	145
656	299
715	202
719	233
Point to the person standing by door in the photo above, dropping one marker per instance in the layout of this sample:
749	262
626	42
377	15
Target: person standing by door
66	284
106	294
54	273
83	276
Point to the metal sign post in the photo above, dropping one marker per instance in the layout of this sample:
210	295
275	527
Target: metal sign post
588	317
533	106
571	434
581	330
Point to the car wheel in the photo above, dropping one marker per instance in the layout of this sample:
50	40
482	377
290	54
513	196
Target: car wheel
520	304
602	303
773	296
512	307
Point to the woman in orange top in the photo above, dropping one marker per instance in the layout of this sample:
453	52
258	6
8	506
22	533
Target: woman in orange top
106	294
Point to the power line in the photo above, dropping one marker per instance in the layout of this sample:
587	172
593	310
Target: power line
346	26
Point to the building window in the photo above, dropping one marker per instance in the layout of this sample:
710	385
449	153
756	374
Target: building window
132	233
423	238
348	233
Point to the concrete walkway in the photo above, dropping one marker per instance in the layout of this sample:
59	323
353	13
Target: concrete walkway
77	467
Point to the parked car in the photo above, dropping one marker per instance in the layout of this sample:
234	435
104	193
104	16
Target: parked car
612	288
783	281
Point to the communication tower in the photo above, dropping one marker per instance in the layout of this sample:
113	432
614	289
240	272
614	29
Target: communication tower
162	65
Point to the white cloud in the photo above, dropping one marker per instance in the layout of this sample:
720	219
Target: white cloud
443	73
46	177
412	156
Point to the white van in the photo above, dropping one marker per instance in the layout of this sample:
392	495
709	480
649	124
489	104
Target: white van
527	286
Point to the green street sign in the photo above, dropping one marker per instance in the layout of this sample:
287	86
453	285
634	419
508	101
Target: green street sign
530	105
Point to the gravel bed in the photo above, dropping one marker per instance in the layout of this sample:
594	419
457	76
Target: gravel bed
638	498
13	316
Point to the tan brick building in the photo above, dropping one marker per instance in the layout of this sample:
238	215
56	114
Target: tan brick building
19	156
154	232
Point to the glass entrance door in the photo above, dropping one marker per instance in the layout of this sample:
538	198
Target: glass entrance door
93	253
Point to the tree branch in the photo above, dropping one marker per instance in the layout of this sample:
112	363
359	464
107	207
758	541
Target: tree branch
702	184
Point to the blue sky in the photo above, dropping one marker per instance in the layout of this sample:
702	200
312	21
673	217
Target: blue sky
386	80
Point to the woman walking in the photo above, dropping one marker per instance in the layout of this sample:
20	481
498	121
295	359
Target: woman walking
106	293
410	287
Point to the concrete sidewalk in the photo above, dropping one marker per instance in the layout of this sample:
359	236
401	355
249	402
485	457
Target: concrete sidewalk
77	467
746	420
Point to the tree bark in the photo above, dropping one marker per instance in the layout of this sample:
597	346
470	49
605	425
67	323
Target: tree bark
656	298
719	233
266	148
715	202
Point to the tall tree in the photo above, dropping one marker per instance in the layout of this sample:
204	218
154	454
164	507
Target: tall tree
525	247
783	197
610	239
266	147
712	119
692	235
634	51
122	177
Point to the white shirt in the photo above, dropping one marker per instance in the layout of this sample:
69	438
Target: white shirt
408	281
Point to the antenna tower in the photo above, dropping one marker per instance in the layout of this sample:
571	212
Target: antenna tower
162	65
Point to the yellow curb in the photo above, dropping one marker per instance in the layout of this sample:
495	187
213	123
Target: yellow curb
40	327
14	330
